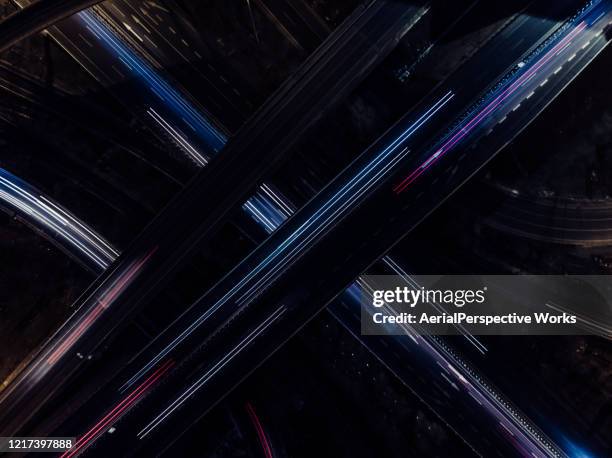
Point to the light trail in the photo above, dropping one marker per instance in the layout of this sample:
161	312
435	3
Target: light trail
261	434
387	260
265	211
178	138
105	300
57	222
343	192
284	206
117	412
508	88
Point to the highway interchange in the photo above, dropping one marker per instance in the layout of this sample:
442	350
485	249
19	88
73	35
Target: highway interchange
378	198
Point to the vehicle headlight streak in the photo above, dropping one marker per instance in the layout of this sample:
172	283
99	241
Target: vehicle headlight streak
28	201
178	138
284	207
267	209
438	307
510	88
349	189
